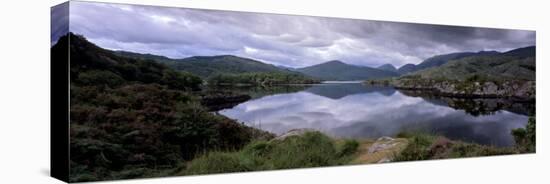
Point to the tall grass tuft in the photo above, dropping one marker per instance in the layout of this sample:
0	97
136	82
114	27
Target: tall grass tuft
312	149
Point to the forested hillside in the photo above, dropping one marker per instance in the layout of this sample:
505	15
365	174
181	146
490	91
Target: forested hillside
137	118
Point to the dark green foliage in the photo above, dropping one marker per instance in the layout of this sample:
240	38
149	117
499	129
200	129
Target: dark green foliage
526	137
137	118
260	79
337	70
146	126
312	149
99	77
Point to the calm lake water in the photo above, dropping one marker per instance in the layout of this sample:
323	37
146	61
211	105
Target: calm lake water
353	110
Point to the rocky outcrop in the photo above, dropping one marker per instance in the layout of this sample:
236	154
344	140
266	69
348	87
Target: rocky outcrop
476	106
381	150
382	143
517	90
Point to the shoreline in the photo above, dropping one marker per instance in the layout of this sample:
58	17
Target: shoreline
517	91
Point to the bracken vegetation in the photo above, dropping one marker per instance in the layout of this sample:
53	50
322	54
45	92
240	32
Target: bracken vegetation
526	137
137	118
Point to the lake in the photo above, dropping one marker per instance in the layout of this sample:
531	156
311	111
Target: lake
353	110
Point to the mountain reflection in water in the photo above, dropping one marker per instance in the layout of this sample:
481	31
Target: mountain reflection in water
353	110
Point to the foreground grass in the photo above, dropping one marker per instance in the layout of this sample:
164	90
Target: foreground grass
312	149
427	147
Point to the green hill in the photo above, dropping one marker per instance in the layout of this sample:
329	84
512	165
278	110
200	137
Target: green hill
92	65
337	70
207	66
510	75
439	60
518	64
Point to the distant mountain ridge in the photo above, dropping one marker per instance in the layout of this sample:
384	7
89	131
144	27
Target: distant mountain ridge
338	70
387	67
208	66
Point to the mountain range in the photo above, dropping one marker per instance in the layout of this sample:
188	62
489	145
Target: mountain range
209	66
338	70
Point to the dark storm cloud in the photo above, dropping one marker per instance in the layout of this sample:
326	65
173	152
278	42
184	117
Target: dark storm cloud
294	41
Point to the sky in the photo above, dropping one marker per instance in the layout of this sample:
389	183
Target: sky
285	40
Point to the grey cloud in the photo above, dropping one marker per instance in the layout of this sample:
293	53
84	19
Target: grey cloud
287	40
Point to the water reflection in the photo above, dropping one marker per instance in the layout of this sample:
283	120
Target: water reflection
357	111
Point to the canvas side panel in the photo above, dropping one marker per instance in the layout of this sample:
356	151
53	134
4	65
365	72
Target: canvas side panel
59	91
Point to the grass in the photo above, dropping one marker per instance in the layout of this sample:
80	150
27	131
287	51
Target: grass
312	149
424	146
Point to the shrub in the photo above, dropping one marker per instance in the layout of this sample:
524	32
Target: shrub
526	137
349	147
146	126
418	147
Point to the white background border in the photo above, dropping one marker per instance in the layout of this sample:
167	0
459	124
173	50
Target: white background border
24	96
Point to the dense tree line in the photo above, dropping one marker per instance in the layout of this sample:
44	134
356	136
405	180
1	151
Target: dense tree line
260	79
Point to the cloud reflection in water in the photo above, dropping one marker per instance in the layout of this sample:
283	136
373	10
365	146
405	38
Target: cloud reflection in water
356	111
